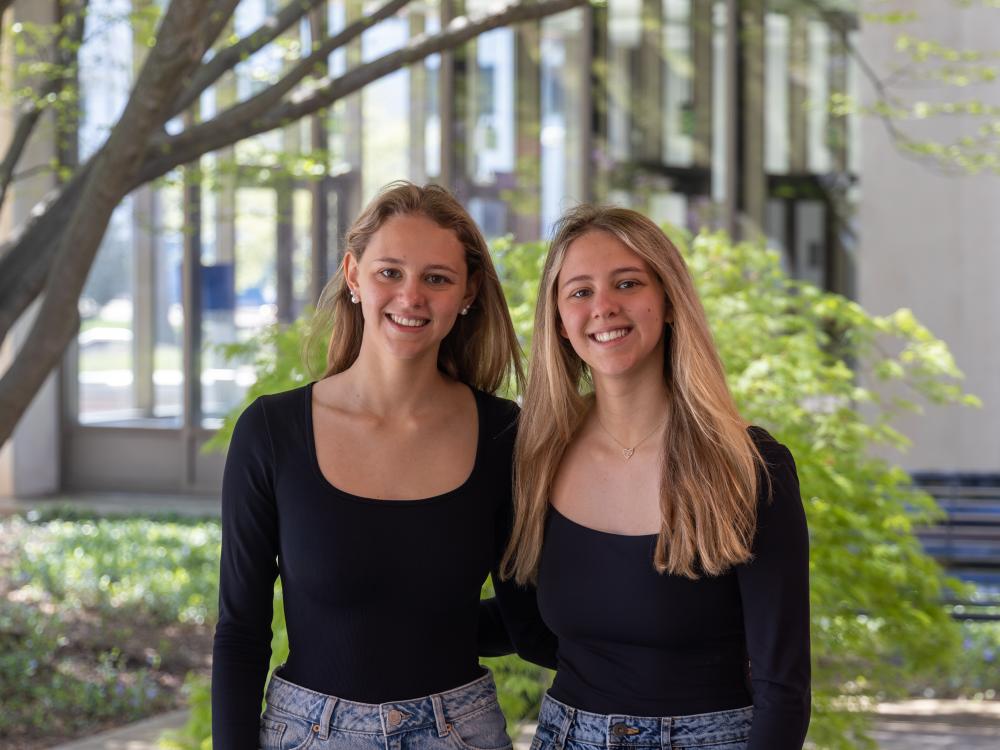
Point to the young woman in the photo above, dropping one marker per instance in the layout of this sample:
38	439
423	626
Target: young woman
667	538
381	494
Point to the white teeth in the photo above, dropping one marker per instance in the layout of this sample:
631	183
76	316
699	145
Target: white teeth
606	336
409	322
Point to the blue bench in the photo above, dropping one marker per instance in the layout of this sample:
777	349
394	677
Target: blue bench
967	541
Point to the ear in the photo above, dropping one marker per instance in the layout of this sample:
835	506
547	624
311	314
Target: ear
351	270
472	288
561	328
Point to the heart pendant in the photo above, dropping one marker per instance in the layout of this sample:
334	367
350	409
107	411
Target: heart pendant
627	452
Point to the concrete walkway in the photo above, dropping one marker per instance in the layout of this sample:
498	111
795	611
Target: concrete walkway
908	725
139	736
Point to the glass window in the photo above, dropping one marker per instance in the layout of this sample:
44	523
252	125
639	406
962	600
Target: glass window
563	82
385	111
776	138
678	83
819	97
106	364
624	36
854	118
720	72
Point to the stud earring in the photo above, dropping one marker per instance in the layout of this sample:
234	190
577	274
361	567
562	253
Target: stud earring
465	310
355	299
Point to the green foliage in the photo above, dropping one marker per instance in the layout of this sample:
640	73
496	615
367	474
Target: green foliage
280	361
973	671
73	594
805	364
197	733
923	82
163	571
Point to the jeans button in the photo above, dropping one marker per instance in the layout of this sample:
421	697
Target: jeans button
395	716
618	730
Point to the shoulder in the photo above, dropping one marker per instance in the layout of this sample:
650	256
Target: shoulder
500	415
778	492
774	453
268	413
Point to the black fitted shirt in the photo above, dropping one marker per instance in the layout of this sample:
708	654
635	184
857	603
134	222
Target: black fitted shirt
634	642
381	597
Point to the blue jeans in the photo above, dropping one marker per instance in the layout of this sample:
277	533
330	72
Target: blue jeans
561	727
466	718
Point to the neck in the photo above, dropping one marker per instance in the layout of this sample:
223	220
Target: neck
631	407
385	385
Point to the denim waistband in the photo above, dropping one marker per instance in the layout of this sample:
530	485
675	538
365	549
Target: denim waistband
327	712
618	730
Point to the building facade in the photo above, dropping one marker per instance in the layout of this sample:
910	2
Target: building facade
697	112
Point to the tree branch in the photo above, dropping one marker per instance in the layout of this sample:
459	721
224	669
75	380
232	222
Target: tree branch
271	96
110	175
171	151
227	58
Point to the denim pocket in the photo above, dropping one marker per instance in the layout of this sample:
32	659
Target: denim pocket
271	732
281	731
485	729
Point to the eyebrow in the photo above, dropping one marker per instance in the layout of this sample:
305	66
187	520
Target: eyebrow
432	267
586	277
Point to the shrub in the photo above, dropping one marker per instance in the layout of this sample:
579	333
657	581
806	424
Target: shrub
803	363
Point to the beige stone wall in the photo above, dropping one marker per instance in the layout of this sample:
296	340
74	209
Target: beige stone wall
931	243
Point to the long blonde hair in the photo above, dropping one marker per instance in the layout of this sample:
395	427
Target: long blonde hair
481	349
709	480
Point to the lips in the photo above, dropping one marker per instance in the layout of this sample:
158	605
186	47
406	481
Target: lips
608	336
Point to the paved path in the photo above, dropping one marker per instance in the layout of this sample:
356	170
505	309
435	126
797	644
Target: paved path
938	725
909	725
139	736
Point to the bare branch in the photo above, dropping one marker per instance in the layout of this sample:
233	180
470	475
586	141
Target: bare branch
905	145
227	58
22	132
171	151
26	258
271	96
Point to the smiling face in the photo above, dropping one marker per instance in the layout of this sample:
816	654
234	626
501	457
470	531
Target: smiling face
413	281
612	307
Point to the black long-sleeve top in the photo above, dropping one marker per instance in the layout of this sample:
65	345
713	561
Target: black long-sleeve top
631	641
381	597
634	642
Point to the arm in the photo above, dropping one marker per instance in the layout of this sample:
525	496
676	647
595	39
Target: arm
775	590
248	568
510	621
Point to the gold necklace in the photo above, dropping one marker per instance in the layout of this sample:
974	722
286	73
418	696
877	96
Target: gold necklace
626	451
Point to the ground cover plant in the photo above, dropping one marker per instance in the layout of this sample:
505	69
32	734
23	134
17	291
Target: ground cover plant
100	620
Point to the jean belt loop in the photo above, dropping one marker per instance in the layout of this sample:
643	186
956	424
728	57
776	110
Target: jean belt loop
564	729
326	718
443	727
666	724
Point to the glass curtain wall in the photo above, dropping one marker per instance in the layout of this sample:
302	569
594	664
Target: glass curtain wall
628	103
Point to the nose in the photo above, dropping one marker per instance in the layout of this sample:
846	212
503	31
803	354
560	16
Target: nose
410	293
605	305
